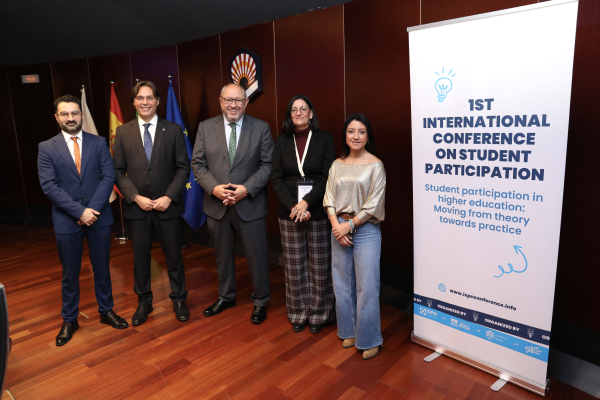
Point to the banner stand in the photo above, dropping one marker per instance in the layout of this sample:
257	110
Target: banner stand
507	376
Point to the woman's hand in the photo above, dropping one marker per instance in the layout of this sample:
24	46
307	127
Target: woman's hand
345	241
341	230
299	212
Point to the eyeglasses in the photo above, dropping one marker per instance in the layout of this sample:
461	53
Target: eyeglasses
303	110
65	114
141	98
239	102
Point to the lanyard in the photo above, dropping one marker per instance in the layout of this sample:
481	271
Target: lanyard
301	163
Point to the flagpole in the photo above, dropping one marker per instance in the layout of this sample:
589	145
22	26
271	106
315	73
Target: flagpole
121	239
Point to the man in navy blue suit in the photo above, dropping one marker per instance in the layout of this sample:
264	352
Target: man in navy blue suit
76	174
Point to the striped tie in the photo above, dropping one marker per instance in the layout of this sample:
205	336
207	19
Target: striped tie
147	142
232	143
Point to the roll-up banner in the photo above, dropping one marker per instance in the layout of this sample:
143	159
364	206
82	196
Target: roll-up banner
490	97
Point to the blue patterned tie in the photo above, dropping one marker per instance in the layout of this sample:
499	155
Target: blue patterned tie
147	142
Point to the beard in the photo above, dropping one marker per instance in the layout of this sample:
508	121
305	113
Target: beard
74	128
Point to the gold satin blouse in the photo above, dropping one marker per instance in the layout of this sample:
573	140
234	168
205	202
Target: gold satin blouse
356	189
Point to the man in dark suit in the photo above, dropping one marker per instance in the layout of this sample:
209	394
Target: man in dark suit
152	168
76	174
232	162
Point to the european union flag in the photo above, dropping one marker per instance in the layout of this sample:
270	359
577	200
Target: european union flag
192	195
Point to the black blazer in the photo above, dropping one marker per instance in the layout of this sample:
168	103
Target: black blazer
165	175
285	172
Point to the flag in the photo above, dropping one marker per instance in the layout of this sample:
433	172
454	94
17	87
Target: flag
115	120
88	122
193	194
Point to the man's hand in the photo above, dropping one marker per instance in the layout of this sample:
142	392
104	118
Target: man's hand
222	192
145	203
162	203
238	194
89	216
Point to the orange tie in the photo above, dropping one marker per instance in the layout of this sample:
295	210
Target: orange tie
77	154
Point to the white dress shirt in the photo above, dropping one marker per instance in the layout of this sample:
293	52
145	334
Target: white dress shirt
238	130
71	143
151	128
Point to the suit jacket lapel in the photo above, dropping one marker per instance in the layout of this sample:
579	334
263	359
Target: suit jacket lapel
136	136
87	144
63	150
159	135
244	138
220	133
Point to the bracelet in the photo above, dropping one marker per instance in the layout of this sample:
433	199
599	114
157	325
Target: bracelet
352	226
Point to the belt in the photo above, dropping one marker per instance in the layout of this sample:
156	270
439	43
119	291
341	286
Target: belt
346	217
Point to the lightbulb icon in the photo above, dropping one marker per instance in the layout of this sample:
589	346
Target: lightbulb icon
443	86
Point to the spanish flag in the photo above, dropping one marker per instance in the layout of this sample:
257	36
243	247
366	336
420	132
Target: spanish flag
115	120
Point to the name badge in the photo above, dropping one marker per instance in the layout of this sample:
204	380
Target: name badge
304	188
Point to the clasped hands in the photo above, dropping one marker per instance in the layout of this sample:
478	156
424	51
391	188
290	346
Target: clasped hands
88	217
230	193
299	212
146	204
341	232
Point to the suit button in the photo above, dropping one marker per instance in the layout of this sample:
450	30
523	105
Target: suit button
147	185
81	183
83	198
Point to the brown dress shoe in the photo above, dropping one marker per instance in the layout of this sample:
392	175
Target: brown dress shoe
370	353
348	343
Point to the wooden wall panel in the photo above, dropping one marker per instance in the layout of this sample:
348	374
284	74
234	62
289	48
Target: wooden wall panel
309	50
67	78
103	70
378	85
578	257
156	65
441	10
33	111
259	39
200	80
12	195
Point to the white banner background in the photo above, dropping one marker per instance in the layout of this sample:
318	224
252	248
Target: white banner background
524	61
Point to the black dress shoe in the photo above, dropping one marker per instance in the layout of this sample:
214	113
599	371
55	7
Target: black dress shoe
316	328
66	332
182	313
298	327
218	307
114	320
259	314
141	314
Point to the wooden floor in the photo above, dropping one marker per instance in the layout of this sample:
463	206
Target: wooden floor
223	357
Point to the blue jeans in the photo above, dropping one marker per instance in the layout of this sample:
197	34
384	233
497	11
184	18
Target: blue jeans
356	285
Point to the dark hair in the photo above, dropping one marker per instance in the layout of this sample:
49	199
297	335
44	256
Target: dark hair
67	98
288	125
370	146
139	85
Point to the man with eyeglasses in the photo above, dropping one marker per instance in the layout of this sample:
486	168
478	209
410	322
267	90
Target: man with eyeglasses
232	162
152	168
76	173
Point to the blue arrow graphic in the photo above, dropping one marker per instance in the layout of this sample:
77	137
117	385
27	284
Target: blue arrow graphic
511	268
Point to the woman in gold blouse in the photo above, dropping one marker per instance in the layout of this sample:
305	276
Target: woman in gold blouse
354	200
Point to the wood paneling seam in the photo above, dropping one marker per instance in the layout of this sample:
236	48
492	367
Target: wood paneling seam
275	73
178	76
220	63
18	147
344	52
